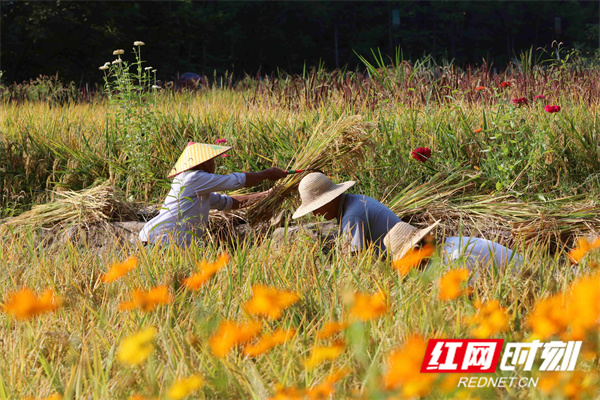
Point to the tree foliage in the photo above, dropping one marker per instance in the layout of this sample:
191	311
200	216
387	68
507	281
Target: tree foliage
73	38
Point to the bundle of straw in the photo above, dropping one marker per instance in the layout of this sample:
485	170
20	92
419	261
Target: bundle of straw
502	218
88	206
342	140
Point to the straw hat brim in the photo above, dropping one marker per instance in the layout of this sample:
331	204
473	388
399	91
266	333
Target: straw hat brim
195	155
411	242
323	199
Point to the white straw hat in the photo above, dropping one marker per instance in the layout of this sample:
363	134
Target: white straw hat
195	154
403	237
316	190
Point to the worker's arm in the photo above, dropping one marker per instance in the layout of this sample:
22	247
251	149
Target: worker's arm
245	200
271	174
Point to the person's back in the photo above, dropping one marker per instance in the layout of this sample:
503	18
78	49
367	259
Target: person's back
366	220
478	252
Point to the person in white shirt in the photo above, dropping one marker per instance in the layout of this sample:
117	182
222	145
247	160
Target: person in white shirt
475	252
184	213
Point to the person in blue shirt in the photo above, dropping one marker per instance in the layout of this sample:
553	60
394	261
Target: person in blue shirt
363	220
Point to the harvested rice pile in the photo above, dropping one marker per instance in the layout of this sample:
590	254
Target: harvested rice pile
89	206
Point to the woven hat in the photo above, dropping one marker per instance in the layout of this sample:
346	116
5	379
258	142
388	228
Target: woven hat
195	154
316	190
403	237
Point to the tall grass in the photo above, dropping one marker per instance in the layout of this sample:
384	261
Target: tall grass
496	170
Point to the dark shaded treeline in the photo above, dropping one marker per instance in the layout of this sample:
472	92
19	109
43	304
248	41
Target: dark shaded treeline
73	38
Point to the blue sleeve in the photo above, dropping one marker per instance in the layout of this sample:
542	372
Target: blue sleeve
353	230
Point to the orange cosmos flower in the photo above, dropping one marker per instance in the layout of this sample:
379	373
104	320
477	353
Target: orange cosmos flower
404	366
330	329
268	341
117	270
478	88
323	353
450	283
583	247
205	271
571	314
489	319
282	393
413	258
321	391
229	334
478	130
147	301
24	304
269	302
368	307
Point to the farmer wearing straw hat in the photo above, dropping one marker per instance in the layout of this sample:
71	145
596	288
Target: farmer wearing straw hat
475	251
362	219
184	213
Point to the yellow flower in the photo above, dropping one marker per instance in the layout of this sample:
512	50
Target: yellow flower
138	43
229	334
269	302
205	271
320	392
24	304
583	247
450	284
118	52
569	385
149	300
136	348
323	353
55	396
184	387
268	341
413	258
367	307
404	366
489	319
330	329
117	270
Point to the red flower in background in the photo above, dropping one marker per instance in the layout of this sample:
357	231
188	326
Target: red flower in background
539	96
421	154
505	84
520	101
221	141
552	109
478	88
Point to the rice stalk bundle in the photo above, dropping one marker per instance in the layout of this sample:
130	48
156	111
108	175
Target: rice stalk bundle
503	218
340	141
88	206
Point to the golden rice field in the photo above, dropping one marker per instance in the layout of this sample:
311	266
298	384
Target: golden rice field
261	319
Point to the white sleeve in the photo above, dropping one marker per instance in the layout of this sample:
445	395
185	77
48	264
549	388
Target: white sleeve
220	202
202	182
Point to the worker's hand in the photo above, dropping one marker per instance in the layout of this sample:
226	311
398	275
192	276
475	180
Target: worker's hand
274	174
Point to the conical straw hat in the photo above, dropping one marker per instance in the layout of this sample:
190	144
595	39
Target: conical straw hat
403	237
316	190
195	154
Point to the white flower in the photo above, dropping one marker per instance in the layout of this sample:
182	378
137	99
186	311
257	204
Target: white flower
119	51
102	68
117	61
153	70
155	87
138	43
147	68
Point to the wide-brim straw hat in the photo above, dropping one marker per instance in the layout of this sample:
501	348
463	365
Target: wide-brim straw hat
316	190
195	154
403	237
